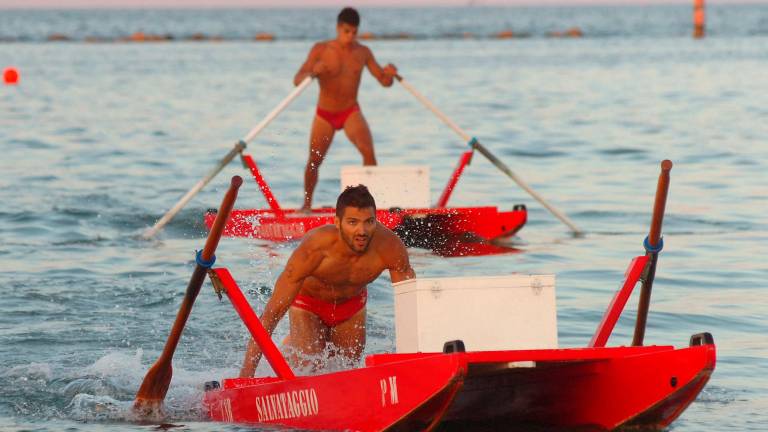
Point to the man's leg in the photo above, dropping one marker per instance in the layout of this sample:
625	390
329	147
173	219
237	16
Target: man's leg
358	132
319	141
349	336
307	338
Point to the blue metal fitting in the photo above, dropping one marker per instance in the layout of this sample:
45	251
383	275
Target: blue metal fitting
202	263
651	249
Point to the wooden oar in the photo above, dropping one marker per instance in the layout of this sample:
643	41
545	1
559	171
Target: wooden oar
239	147
475	144
150	396
653	245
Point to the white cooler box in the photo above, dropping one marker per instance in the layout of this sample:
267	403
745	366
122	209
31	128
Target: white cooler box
487	313
403	186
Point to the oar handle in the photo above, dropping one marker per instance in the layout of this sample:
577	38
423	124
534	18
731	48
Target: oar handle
221	218
662	188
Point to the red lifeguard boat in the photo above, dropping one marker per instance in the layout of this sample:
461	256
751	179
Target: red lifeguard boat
445	230
591	388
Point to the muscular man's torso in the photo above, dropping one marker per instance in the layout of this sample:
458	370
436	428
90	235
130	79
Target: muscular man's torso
339	86
339	277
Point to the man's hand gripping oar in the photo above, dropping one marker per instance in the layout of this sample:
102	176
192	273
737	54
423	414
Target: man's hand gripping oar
149	398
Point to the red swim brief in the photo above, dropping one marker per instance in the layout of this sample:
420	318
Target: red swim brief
332	314
337	119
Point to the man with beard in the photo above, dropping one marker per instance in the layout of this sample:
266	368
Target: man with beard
323	285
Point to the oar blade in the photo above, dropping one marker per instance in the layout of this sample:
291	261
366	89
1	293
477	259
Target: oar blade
149	398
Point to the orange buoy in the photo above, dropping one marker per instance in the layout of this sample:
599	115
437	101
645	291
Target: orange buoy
264	37
698	18
10	76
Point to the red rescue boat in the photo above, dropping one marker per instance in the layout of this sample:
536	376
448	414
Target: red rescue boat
592	388
446	230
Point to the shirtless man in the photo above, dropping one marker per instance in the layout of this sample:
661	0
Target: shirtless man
338	65
323	286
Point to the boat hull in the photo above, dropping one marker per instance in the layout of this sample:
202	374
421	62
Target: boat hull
431	228
572	389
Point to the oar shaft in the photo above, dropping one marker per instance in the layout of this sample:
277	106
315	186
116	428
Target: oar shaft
660	204
494	160
430	106
505	169
278	109
185	309
239	147
151	232
652	252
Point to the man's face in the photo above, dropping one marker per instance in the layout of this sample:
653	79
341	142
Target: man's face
346	33
356	227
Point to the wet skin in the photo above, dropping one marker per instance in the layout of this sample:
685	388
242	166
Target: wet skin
333	263
338	65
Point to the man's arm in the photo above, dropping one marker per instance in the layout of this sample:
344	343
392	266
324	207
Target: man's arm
308	68
300	265
385	75
398	262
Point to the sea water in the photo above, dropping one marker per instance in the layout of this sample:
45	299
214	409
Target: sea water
99	140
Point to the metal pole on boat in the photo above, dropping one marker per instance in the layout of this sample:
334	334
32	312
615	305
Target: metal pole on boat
150	396
475	144
653	244
239	147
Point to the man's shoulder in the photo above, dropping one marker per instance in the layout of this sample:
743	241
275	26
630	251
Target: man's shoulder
320	45
363	48
388	240
391	249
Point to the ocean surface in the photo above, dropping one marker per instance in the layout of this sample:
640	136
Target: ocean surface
99	140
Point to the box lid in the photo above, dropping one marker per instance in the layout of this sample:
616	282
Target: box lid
514	280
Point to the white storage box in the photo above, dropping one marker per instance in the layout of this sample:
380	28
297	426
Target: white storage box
488	313
403	186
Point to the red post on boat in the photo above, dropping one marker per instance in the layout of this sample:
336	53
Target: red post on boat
698	19
252	322
653	245
465	159
271	200
612	314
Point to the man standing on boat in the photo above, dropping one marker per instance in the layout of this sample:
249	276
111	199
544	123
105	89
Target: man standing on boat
338	66
323	285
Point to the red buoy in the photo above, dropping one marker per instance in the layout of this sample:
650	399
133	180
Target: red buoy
698	19
10	76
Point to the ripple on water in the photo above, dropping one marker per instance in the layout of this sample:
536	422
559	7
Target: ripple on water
75	130
623	151
32	143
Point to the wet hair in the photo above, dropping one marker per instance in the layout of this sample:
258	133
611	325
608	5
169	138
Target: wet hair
349	16
354	196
